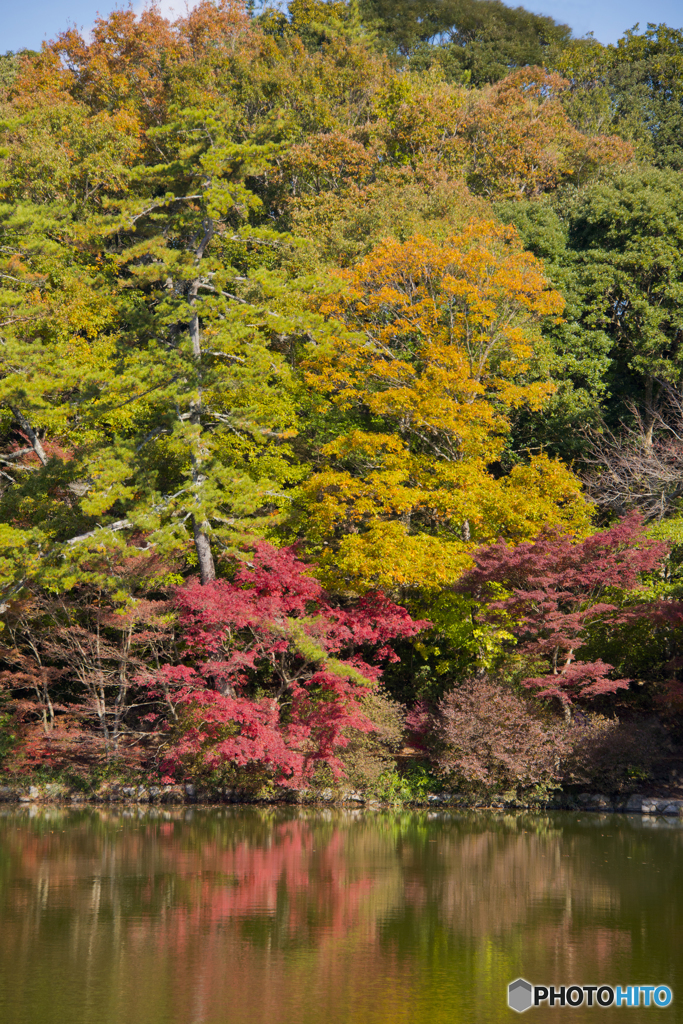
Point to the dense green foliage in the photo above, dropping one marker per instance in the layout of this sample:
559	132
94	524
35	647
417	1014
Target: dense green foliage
374	280
478	41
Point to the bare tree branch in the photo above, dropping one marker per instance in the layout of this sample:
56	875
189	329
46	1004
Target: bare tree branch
641	468
30	433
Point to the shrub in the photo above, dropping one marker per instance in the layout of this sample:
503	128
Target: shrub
486	738
614	756
370	757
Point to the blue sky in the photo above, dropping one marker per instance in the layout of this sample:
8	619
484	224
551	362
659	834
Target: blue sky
28	22
608	19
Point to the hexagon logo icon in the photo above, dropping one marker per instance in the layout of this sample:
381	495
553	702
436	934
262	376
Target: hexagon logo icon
520	995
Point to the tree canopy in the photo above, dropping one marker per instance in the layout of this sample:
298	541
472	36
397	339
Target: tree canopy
306	318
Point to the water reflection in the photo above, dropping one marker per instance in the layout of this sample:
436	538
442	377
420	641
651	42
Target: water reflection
247	915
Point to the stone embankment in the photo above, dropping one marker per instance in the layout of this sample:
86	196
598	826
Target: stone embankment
112	793
633	804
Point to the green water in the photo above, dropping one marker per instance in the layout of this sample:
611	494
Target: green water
283	916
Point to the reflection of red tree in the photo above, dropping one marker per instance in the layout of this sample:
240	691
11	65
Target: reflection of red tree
294	876
280	914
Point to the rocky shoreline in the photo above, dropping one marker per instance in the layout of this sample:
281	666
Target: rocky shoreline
57	793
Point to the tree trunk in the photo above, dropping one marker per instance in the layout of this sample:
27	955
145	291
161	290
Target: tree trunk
30	433
650	412
566	711
207	569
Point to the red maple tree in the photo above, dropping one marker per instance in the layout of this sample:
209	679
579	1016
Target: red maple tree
555	588
274	673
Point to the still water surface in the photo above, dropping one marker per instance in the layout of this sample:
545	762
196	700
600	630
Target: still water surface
283	916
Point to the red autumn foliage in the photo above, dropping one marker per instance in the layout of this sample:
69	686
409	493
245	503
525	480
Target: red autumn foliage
556	588
274	673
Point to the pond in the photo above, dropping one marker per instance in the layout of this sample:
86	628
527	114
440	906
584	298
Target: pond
246	915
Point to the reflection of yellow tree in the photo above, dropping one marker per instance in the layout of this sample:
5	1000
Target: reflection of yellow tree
431	357
286	916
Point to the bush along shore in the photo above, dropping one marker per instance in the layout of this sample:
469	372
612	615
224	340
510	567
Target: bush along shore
341	416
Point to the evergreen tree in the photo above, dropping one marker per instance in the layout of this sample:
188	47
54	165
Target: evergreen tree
634	89
478	41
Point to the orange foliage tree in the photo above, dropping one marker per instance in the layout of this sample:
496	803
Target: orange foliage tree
429	356
519	141
137	63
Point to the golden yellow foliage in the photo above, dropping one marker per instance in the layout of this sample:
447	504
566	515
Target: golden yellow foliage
430	352
442	338
402	522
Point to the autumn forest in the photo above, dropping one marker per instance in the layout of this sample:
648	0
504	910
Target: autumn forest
341	402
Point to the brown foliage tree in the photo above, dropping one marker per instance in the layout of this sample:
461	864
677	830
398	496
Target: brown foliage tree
520	142
485	737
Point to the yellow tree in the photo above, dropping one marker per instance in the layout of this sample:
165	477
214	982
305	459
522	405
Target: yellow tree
428	357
